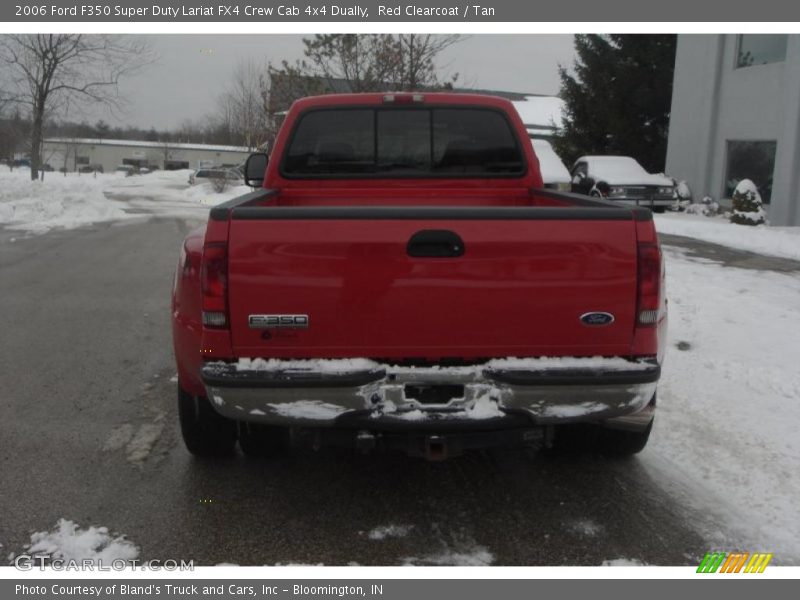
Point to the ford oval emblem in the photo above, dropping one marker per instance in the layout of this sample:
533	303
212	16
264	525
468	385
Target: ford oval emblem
596	319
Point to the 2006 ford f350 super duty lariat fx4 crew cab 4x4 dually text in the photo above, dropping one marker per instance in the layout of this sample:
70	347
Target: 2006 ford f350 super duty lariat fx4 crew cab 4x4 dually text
401	279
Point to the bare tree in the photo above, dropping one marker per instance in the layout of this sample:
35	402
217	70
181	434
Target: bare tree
49	71
243	107
417	60
373	63
13	131
366	62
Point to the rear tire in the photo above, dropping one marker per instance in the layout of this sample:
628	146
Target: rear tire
205	432
616	442
659	209
263	441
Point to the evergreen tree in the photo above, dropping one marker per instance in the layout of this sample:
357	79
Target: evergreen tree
618	99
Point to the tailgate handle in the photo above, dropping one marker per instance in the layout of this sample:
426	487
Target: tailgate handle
435	243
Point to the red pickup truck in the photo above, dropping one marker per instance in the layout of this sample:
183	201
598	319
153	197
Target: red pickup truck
402	280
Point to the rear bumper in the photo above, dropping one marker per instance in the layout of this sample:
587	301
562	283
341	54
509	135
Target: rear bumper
491	396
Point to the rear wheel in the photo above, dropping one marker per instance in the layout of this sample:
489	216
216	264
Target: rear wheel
617	442
205	432
263	440
659	209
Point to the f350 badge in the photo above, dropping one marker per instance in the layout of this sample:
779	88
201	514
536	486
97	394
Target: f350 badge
597	319
278	321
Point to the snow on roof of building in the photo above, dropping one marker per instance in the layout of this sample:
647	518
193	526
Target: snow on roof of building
144	144
550	165
540	111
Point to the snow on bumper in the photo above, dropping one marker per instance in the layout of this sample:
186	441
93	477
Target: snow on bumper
360	392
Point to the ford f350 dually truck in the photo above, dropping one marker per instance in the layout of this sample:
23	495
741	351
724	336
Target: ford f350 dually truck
400	279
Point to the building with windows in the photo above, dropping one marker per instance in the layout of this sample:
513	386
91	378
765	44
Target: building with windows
75	154
736	115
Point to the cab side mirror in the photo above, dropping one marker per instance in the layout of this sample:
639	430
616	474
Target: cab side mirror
255	168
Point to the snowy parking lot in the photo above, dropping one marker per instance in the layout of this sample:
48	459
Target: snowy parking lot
722	469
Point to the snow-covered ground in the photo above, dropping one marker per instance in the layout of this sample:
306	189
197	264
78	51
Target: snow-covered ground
61	202
57	202
69	542
725	440
762	239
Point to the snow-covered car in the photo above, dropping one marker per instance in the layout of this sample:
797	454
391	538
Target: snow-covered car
554	174
622	179
204	175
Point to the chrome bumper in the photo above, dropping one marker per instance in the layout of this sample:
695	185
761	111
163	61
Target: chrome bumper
379	396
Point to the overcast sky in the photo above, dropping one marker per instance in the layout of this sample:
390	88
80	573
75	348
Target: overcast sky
193	69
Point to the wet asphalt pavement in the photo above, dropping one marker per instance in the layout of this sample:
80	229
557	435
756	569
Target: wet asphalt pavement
89	432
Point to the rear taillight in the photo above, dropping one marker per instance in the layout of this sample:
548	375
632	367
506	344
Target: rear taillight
648	300
214	284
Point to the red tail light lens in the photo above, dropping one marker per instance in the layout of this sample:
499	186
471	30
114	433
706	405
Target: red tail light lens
649	284
214	284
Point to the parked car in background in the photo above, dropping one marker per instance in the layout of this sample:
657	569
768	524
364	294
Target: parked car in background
622	179
554	174
46	167
206	175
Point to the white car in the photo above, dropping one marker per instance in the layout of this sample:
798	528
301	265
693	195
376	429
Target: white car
622	179
554	174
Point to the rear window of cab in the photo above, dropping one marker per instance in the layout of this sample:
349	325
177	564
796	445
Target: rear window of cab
403	142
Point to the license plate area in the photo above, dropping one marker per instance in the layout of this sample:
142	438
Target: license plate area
432	395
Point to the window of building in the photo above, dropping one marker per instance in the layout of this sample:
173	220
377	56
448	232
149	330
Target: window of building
750	160
174	165
760	49
82	160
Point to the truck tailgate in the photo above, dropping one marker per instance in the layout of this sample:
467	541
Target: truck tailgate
436	283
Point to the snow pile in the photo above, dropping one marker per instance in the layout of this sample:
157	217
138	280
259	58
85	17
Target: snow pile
566	411
708	207
540	112
307	409
623	562
550	165
58	202
166	192
484	407
683	191
70	543
475	556
774	241
585	528
389	531
205	194
330	366
345	365
729	402
556	363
